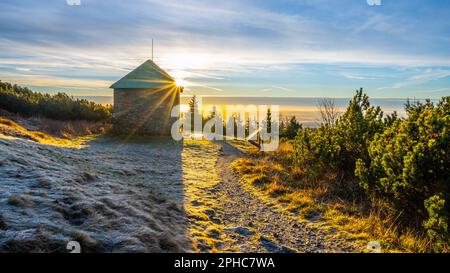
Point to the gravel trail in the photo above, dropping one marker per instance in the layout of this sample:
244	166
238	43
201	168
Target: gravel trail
252	226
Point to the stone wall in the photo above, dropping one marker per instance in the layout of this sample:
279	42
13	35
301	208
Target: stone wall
144	111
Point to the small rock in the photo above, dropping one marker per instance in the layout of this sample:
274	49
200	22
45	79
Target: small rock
88	177
269	245
285	249
44	182
215	220
129	173
212	216
242	231
313	217
210	212
244	248
196	203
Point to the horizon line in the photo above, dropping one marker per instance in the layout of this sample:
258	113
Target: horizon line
288	97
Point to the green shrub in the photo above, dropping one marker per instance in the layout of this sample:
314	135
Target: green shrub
290	128
437	223
403	162
338	147
409	165
20	100
316	150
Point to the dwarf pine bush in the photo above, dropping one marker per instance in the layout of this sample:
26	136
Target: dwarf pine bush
289	129
403	162
338	147
437	223
409	166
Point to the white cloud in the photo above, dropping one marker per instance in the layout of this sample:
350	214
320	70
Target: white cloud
424	77
200	41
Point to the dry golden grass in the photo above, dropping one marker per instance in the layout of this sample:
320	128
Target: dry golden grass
11	129
273	178
55	128
243	146
71	129
8	122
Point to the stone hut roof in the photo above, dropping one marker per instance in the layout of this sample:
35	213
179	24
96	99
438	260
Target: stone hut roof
147	75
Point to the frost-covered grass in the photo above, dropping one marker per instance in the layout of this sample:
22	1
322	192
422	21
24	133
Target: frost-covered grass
109	195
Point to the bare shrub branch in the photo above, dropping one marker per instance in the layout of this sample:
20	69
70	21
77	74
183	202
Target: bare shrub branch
329	112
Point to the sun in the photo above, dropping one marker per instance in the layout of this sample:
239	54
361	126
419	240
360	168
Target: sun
181	82
181	78
184	66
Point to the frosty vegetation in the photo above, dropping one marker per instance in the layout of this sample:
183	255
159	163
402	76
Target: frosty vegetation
108	196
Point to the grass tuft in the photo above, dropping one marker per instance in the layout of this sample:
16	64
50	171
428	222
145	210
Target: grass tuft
21	201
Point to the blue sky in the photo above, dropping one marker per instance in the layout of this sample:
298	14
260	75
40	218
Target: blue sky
300	48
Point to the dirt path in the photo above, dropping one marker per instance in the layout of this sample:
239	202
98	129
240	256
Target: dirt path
252	226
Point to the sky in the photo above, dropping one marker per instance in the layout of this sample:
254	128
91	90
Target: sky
283	48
